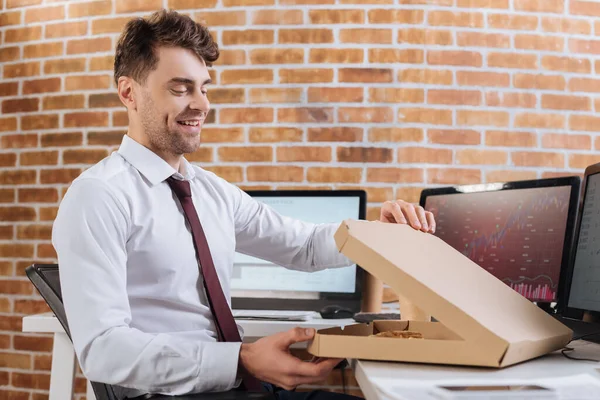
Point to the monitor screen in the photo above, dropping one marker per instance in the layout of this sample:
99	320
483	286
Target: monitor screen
249	272
517	235
585	283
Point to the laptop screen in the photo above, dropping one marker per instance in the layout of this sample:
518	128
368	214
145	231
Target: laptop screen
517	234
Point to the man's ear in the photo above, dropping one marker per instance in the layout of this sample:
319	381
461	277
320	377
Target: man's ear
126	93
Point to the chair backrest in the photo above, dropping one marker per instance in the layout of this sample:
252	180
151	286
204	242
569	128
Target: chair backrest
45	278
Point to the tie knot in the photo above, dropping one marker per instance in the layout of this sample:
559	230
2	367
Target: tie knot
181	188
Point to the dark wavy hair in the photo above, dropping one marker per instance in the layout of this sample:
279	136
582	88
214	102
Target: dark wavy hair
135	54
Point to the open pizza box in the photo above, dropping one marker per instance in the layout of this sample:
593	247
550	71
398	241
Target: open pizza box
480	321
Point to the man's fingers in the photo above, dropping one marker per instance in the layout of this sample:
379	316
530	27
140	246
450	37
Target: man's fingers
397	213
316	370
296	335
430	221
411	215
422	218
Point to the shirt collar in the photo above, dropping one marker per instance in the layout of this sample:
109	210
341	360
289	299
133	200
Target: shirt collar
149	164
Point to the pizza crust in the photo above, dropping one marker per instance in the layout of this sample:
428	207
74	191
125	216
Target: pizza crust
400	334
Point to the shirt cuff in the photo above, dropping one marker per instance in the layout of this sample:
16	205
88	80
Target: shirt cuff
219	365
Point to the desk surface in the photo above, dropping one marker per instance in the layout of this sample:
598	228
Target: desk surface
373	374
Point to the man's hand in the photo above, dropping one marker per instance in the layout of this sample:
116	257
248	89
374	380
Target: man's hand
401	212
269	360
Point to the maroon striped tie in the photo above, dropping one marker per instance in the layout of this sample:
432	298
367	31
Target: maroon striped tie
226	327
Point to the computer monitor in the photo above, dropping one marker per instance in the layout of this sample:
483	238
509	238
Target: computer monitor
258	284
520	232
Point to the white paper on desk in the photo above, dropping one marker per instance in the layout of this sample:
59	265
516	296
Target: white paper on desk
575	387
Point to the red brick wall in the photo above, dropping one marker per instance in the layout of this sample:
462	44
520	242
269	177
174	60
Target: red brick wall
386	95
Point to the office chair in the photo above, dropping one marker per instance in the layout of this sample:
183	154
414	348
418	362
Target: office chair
45	278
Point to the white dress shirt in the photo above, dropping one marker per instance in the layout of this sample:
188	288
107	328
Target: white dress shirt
132	290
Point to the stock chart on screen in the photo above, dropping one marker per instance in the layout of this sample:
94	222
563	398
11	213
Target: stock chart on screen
516	235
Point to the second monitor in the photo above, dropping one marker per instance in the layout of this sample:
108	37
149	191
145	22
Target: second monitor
521	232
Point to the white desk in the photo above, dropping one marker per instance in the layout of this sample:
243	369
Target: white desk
372	375
62	373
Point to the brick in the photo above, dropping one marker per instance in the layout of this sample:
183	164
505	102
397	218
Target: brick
12	323
8	124
15	250
86	118
22	69
412	155
513	21
104	100
538	159
510	175
246	76
235	3
209	135
584	46
23	34
584	123
28	307
15	287
48	213
21	3
404	56
510	138
335	56
355	35
374	194
108	25
10	54
334	174
481	157
111	138
539	81
511	99
305	36
277	17
322	16
425	36
203	154
537	42
246	154
47	85
66	29
566	64
512	60
453	176
5	339
44	14
33	381
276	95
476	78
16	213
190	4
566	25
365	75
454	57
531	120
581	161
21	105
14	360
102	63
38	158
487	118
87	82
395	16
40	50
61	139
305	115
395	175
461	19
586	8
8	159
120	118
454	97
433	116
483	4
245	115
274	134
277	56
365	154
549	6
427	76
89	9
275	174
219	96
6	233
131	6
335	94
365	114
83	156
249	36
19	141
293	2
95	45
303	154
567	141
396	95
38	195
335	134
10	18
64	66
9	89
479	39
584	85
561	102
42	362
45	251
59	175
6	268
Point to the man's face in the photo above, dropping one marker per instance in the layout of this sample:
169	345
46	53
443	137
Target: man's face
173	103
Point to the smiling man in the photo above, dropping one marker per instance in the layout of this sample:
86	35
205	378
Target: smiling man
146	240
